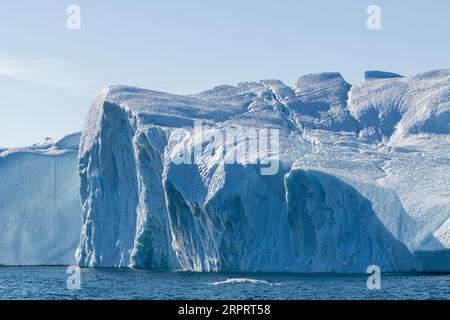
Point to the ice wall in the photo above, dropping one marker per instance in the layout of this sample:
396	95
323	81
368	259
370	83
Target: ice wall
40	208
343	198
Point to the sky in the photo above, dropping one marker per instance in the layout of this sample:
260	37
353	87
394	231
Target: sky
49	73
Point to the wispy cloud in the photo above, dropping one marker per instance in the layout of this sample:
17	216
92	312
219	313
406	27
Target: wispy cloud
38	72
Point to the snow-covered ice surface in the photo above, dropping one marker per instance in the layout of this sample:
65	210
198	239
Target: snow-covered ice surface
40	209
364	178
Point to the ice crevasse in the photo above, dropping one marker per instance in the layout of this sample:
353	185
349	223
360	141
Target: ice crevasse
363	177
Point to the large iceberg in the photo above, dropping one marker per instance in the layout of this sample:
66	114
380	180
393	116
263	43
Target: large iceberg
360	176
40	208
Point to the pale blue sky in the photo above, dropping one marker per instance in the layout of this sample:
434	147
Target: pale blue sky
49	74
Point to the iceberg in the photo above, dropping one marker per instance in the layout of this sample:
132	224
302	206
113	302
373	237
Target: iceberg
362	176
319	176
40	208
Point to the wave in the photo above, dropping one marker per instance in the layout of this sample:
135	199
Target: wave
240	281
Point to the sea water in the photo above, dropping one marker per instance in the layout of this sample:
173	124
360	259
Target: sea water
52	283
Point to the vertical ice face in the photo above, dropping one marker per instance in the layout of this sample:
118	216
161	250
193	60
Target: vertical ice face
342	199
40	210
334	228
152	241
124	215
242	225
109	193
297	221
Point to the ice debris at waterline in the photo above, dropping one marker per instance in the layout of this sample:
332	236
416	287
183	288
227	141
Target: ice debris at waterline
40	210
240	281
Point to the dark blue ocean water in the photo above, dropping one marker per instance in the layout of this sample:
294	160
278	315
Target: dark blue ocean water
51	283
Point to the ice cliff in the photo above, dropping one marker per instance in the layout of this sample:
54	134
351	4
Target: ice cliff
40	205
363	176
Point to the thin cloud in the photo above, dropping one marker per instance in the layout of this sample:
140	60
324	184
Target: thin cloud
41	73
